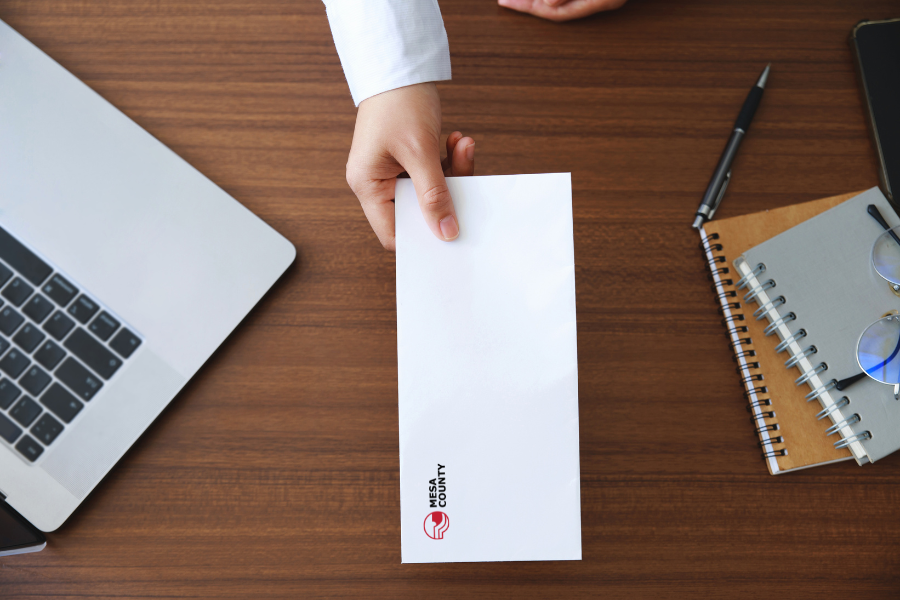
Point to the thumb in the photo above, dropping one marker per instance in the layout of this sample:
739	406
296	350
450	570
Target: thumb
424	168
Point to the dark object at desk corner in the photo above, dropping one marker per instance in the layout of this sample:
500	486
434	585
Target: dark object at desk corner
17	535
876	52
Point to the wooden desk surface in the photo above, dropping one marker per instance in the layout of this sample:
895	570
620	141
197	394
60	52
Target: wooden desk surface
275	472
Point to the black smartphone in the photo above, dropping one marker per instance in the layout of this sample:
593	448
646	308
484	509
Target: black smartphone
876	46
17	535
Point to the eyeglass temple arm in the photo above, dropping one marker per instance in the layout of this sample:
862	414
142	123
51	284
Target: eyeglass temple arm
876	214
843	384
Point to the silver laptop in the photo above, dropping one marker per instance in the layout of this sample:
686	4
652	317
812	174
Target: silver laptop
122	269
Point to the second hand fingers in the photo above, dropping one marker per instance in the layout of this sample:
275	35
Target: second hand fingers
571	9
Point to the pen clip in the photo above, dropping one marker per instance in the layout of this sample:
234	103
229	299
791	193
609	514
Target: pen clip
721	195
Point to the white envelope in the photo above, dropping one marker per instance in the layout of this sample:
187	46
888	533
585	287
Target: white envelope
488	374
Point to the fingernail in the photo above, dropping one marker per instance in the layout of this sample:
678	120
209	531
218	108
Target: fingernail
503	2
470	151
449	228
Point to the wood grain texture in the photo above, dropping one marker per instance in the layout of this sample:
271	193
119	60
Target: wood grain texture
275	473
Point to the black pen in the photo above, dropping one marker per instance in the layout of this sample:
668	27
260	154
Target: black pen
722	174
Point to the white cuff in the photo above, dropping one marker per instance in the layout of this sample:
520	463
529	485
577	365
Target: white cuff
387	44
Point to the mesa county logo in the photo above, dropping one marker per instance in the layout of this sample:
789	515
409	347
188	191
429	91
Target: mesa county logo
436	524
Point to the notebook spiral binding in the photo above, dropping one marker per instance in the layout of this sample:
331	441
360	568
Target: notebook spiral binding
730	307
769	309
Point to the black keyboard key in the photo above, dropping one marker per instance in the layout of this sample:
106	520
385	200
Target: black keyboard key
83	309
58	326
14	363
25	411
5	273
49	355
63	404
81	381
10	320
22	259
9	431
34	381
29	337
104	326
38	308
8	393
46	429
92	353
125	343
29	448
60	290
4	345
17	292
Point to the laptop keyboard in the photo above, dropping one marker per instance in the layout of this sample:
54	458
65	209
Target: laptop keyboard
58	347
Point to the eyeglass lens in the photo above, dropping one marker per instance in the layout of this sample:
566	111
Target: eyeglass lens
879	350
886	255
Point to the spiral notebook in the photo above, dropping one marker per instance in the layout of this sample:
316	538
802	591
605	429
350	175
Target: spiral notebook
790	436
817	288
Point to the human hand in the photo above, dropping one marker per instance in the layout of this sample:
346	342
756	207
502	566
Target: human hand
561	10
397	131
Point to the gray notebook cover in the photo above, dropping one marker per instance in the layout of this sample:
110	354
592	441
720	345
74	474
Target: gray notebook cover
823	269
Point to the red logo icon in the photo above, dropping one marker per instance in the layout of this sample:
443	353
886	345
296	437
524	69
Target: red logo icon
436	524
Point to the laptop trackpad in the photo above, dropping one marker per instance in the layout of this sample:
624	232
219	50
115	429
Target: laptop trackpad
106	430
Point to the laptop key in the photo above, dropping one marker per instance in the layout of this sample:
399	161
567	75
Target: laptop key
81	381
10	320
17	292
38	308
8	393
9	431
35	380
29	448
25	411
49	355
104	326
125	343
92	353
63	404
83	309
29	338
58	326
22	259
60	290
47	429
4	345
14	363
5	273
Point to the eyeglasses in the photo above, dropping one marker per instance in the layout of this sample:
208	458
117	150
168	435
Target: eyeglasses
878	349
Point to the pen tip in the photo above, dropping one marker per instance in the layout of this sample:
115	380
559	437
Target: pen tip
762	78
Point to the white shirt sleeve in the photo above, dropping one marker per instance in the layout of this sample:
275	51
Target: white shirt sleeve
387	44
